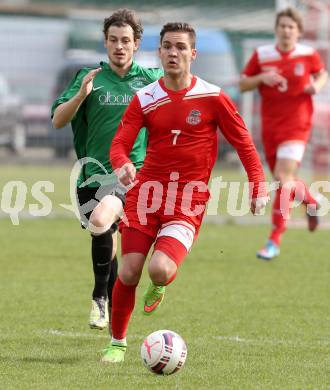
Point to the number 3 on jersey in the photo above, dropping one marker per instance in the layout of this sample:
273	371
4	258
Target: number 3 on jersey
176	135
283	86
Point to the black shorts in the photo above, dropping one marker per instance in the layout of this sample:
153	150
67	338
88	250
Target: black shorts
94	195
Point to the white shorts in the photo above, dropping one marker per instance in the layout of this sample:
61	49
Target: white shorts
291	150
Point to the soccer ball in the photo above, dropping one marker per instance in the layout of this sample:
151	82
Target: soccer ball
164	352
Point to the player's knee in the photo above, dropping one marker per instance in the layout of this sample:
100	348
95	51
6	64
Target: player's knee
161	271
130	276
97	219
130	273
100	220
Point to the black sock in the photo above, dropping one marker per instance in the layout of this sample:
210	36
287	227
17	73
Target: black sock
101	256
112	279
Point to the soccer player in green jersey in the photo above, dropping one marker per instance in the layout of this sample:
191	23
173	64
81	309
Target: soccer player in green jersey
94	103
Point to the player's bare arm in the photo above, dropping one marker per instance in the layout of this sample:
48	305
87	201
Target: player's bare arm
317	83
66	111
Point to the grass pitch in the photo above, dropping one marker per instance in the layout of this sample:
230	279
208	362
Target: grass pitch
248	324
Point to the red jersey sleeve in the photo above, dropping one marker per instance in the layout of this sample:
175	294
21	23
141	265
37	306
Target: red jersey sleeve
233	128
316	63
252	67
129	127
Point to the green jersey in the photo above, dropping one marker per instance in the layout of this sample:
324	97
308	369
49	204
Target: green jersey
95	123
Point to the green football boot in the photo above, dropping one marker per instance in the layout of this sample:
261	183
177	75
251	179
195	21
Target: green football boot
114	353
152	298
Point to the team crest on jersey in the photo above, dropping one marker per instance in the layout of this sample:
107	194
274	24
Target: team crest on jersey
299	69
137	83
194	118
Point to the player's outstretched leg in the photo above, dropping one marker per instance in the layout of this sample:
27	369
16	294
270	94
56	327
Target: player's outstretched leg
167	257
153	298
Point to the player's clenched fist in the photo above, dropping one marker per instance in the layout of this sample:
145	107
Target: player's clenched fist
127	174
272	79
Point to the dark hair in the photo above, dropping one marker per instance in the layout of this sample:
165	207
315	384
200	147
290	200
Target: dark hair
293	14
121	18
181	27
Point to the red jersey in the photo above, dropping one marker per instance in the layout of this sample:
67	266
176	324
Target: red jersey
182	135
287	110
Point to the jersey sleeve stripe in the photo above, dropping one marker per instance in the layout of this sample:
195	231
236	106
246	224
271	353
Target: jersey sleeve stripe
150	94
201	95
155	105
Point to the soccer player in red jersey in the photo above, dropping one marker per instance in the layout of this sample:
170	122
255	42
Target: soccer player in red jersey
165	206
286	74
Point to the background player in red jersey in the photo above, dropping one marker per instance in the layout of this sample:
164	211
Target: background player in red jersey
286	74
165	206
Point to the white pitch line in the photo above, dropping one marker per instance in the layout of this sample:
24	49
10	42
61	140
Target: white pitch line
235	339
93	334
65	333
239	339
232	338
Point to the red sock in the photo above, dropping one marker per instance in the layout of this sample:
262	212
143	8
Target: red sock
302	193
123	301
280	213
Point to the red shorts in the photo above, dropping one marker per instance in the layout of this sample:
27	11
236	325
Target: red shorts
149	210
135	241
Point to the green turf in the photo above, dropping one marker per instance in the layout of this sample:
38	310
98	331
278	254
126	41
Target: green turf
30	174
248	324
